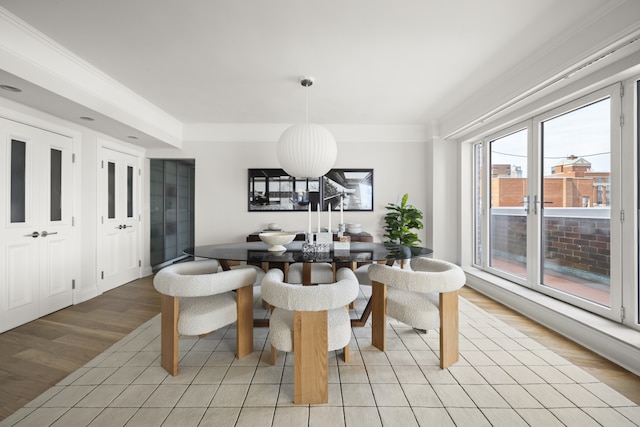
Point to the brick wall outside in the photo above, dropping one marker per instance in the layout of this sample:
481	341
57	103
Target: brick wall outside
581	245
508	237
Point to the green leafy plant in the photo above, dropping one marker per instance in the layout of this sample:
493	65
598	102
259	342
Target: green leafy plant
400	222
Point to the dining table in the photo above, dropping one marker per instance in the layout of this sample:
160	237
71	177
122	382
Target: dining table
257	253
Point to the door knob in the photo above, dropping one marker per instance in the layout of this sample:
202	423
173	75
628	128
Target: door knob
46	233
34	234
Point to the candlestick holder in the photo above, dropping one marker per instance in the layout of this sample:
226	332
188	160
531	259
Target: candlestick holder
308	247
323	247
341	229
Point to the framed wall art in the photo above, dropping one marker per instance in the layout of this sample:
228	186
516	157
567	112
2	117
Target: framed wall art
275	190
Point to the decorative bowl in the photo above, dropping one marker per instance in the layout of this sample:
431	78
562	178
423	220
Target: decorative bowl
354	228
277	240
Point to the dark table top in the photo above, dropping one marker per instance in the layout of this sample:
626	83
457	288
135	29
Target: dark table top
256	252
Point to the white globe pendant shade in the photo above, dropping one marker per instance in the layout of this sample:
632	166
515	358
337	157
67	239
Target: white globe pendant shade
307	150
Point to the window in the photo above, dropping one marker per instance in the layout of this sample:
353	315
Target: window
111	190
509	204
548	211
576	241
477	200
55	204
18	180
129	191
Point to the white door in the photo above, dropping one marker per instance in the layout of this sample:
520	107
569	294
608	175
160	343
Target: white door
36	223
119	260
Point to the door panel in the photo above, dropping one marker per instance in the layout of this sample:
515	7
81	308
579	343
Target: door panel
509	205
119	229
576	214
56	230
35	227
20	275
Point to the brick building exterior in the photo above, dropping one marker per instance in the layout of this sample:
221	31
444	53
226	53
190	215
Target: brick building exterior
571	184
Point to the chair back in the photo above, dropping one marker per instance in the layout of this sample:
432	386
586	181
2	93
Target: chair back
426	275
295	297
201	278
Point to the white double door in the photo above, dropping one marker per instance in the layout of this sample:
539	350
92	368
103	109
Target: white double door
119	222
36	231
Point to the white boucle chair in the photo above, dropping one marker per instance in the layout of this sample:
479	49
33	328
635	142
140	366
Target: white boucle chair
424	297
310	321
197	298
259	271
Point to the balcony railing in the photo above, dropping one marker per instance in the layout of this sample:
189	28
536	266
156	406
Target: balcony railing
575	244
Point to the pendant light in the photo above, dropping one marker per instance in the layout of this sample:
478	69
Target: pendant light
307	150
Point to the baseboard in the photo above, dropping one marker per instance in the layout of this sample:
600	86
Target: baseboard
83	295
611	340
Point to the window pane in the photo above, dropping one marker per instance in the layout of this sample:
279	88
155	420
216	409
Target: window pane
576	214
508	226
111	190
638	186
56	185
171	209
129	191
18	180
477	201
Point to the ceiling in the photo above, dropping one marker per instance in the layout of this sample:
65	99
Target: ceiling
374	61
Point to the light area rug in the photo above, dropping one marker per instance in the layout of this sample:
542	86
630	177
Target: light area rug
503	378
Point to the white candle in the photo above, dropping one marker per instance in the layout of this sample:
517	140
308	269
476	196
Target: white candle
341	213
309	210
329	217
319	217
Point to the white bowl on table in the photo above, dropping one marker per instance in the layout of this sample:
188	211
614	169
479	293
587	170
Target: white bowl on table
354	228
277	240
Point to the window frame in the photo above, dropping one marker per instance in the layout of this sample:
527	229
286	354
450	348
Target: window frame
535	176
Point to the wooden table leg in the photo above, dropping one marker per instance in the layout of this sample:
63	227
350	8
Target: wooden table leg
244	333
449	351
367	309
310	358
379	315
306	273
169	333
265	267
364	317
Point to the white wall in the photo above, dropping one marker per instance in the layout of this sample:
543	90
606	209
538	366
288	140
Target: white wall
441	215
222	184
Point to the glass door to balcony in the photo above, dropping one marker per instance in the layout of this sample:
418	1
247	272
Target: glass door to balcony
553	182
509	204
576	202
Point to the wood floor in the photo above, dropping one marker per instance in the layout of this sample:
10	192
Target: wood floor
36	356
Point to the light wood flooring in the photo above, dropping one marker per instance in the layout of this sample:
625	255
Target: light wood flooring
36	356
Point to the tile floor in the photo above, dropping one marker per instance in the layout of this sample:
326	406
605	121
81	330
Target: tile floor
503	378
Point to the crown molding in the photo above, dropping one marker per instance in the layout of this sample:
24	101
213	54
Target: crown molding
30	55
270	132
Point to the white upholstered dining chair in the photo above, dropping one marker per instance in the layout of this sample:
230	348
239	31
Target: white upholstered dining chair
310	321
321	272
197	298
424	297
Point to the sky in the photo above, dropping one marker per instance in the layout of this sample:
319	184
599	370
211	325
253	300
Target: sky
584	133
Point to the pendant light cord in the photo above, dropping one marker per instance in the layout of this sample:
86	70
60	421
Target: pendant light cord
307	91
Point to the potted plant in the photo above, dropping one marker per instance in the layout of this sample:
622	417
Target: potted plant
400	222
